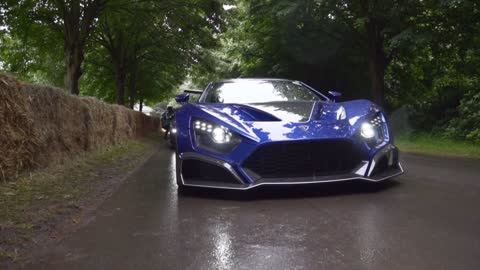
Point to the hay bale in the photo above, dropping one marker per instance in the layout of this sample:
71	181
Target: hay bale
16	128
60	123
125	127
100	127
42	125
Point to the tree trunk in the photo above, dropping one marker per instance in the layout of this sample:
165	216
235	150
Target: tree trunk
131	94
141	105
73	46
78	22
120	84
377	61
132	84
377	68
73	60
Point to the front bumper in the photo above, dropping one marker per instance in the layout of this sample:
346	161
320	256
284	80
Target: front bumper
216	173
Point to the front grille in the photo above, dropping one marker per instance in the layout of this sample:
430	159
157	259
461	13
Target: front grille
303	159
199	171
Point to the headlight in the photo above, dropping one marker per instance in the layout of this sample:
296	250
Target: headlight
213	137
367	131
375	130
221	135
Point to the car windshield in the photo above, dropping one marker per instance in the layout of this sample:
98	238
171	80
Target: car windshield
258	91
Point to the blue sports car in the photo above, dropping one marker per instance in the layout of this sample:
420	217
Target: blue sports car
245	133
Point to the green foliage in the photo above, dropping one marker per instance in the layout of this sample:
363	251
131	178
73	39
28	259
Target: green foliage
147	59
439	75
71	22
427	53
98	79
324	43
466	125
31	51
431	51
223	60
144	48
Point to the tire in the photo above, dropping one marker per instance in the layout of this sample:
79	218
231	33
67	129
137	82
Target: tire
177	171
170	141
181	189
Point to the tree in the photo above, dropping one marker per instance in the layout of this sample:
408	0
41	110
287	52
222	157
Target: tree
291	40
161	45
74	20
383	25
309	39
78	22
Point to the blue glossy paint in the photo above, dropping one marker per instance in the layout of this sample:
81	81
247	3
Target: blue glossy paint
182	98
275	122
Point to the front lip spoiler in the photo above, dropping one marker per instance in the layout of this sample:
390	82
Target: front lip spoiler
244	186
298	183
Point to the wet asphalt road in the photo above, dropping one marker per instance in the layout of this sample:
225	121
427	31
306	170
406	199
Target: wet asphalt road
428	218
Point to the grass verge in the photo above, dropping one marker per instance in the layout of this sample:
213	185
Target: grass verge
39	202
437	146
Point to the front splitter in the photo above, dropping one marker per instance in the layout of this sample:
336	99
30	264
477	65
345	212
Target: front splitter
297	181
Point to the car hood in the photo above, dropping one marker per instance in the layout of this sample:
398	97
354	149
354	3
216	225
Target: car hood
275	121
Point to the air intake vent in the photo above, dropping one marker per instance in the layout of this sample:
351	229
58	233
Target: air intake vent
199	171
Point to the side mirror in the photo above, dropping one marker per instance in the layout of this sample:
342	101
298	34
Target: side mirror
182	98
335	95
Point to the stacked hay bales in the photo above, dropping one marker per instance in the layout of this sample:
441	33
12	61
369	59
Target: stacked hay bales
41	125
16	128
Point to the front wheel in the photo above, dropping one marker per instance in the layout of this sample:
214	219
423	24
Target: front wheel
181	189
177	171
170	140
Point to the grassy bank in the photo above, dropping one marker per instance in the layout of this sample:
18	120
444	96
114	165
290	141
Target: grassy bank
40	202
438	146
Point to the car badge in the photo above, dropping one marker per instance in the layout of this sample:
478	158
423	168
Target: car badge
304	128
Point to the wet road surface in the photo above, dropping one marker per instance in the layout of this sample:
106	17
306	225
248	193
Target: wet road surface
428	218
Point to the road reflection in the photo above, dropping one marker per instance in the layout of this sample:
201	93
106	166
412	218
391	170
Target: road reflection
222	240
230	228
